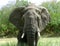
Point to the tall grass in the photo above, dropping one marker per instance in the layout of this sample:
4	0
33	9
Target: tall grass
49	42
41	42
8	42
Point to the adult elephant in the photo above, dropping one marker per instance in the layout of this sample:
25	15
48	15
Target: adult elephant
30	20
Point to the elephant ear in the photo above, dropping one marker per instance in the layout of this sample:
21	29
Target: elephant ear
16	17
45	17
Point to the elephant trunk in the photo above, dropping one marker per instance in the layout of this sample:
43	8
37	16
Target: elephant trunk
30	38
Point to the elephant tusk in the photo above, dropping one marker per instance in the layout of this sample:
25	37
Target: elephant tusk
38	34
22	35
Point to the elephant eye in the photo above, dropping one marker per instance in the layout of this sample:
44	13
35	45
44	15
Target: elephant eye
38	12
44	17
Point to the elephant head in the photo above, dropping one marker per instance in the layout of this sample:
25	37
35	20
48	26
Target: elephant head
32	20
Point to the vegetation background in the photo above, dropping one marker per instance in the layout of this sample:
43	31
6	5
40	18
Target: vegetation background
9	30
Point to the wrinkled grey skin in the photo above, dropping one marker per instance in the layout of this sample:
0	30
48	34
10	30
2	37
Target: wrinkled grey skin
30	20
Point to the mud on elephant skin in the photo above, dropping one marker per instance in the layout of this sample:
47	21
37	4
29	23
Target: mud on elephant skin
30	20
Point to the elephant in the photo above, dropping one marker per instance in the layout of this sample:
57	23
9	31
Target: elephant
30	20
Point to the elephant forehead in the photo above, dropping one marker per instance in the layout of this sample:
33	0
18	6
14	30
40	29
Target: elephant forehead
32	8
28	12
30	15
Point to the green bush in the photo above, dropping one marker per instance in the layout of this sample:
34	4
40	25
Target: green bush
6	28
54	10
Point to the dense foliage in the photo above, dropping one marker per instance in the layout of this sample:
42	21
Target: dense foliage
54	10
8	29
